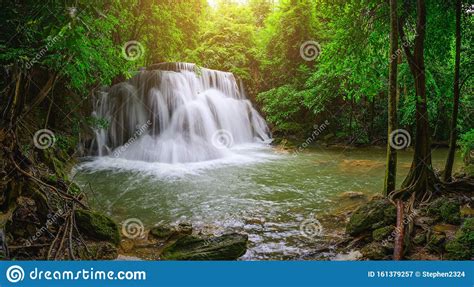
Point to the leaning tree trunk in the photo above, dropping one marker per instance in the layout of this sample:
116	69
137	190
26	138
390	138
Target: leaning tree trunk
391	169
448	170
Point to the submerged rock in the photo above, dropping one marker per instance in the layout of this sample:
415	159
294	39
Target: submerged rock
189	247
462	246
97	226
376	213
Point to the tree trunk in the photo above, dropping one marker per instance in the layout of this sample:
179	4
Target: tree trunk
391	169
448	170
421	177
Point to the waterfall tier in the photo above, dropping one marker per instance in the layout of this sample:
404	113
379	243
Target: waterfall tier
176	113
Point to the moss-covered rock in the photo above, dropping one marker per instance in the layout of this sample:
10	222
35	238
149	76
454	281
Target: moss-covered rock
462	246
162	232
447	210
97	226
189	247
376	213
383	233
99	251
436	242
376	251
419	238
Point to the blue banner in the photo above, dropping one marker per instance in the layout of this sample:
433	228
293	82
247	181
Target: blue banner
293	273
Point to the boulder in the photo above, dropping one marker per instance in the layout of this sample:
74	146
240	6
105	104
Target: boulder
436	242
376	213
189	247
163	232
97	226
447	210
376	251
383	233
462	246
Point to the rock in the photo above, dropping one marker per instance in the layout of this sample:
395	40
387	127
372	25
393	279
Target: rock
353	195
375	251
467	211
420	238
185	228
436	242
462	246
378	211
101	251
97	226
189	247
448	210
383	233
162	232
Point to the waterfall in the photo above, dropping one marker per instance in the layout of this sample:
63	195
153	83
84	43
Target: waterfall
176	113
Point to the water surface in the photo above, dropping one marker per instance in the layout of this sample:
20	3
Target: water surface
269	195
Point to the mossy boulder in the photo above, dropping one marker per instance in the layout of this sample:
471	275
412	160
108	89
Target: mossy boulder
376	251
189	247
378	212
162	232
383	233
462	246
436	242
419	238
447	210
97	226
99	251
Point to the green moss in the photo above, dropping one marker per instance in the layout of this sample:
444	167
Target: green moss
436	242
462	246
382	233
189	247
420	238
375	251
162	231
447	210
97	226
376	213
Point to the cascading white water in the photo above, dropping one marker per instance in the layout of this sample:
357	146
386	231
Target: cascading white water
176	113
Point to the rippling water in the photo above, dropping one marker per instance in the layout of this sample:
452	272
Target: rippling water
259	191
